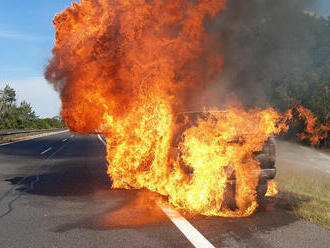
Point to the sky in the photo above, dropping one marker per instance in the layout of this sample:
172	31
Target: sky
26	40
325	7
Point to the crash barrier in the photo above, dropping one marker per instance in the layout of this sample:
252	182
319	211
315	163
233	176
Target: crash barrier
24	133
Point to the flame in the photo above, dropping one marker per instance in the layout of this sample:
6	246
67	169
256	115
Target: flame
272	189
139	211
126	69
313	132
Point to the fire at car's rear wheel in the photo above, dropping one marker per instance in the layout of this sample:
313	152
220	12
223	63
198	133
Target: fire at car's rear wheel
230	191
229	197
262	189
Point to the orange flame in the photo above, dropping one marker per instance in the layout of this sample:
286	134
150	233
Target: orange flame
313	132
126	68
272	189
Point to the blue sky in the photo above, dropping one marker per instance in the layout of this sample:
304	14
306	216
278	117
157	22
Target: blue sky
26	40
325	7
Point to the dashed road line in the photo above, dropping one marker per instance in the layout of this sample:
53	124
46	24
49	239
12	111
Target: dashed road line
32	138
64	140
20	182
45	151
190	232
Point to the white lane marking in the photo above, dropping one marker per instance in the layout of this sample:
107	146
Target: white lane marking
105	144
27	139
64	140
45	151
191	233
102	140
71	135
33	171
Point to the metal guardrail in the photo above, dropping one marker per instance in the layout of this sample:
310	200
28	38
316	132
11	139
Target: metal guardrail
27	132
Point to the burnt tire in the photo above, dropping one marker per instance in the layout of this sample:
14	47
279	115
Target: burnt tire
229	201
267	156
262	189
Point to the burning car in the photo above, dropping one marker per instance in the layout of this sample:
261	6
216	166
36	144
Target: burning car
125	68
266	157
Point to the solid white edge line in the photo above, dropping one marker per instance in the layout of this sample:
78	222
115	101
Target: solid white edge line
190	232
101	139
105	144
45	151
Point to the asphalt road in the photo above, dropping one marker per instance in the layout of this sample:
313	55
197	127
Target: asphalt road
299	156
54	192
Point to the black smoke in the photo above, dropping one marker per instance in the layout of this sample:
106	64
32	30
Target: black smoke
264	43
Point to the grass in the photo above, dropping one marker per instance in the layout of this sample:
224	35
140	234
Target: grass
326	151
311	193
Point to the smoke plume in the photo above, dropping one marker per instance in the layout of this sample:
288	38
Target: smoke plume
263	41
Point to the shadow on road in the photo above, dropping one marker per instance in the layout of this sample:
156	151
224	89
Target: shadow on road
65	180
272	214
137	208
136	211
75	175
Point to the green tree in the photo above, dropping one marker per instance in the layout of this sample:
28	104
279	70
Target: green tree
26	112
9	95
7	99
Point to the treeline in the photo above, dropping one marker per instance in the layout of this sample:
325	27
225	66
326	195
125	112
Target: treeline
277	54
22	116
306	79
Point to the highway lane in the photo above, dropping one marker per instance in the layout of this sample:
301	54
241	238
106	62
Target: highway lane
71	205
62	198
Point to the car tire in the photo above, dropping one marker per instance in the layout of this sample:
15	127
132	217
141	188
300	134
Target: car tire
262	189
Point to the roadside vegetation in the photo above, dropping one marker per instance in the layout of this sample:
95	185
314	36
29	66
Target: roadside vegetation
278	56
14	116
307	192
